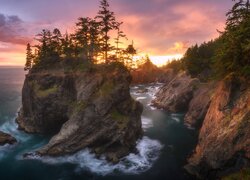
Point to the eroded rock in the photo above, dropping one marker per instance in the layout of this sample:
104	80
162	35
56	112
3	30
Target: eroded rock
224	139
91	108
176	95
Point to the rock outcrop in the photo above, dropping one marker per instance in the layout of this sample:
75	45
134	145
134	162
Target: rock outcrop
176	95
224	138
83	108
198	106
6	139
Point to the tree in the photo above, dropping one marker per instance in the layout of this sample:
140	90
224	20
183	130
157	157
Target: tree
130	52
120	34
29	58
82	35
234	53
94	44
107	21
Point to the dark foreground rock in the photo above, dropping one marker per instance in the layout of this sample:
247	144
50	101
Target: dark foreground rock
83	108
6	139
224	138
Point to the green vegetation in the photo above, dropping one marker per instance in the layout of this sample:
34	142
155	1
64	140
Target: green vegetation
41	93
106	88
230	53
91	42
242	175
121	119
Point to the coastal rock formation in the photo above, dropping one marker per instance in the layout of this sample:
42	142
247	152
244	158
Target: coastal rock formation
91	107
166	76
6	139
224	138
176	95
198	106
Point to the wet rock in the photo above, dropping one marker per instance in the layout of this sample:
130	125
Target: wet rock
6	139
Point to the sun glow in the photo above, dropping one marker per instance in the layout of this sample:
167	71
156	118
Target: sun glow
163	60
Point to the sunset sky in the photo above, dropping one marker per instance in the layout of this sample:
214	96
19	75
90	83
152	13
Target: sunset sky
159	28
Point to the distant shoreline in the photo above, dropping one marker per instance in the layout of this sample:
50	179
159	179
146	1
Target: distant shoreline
10	66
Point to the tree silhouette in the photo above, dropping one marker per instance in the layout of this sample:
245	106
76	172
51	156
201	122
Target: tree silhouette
29	58
107	22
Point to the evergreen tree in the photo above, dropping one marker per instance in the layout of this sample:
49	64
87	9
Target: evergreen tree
107	21
29	58
94	44
120	35
130	52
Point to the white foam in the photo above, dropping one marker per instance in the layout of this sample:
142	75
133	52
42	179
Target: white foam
141	98
11	128
148	152
146	123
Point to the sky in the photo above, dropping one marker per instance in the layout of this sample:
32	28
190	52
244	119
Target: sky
161	29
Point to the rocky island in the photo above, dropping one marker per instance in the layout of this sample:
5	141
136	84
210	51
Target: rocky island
89	107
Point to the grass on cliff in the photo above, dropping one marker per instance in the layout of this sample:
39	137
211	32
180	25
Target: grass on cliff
242	175
121	119
106	88
41	93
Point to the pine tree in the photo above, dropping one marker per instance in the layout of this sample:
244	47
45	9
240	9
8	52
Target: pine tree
120	35
29	58
107	23
130	52
94	44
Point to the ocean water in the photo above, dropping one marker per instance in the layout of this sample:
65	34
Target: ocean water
162	151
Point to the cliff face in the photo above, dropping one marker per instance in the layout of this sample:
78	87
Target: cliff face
176	95
224	138
91	108
199	104
221	113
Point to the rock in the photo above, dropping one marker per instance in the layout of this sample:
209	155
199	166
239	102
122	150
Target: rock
6	139
198	107
167	76
224	138
176	95
91	108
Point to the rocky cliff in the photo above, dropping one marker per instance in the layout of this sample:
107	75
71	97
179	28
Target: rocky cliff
221	113
90	107
224	138
176	95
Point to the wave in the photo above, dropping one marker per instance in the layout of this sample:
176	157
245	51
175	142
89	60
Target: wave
141	98
148	153
146	123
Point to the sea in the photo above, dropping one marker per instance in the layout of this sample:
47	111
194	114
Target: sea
162	151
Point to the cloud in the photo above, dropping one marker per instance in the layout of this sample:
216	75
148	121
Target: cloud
12	29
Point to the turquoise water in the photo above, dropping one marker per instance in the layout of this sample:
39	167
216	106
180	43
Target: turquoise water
162	150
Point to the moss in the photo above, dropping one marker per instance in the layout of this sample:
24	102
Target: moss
44	92
121	119
242	175
79	106
106	88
